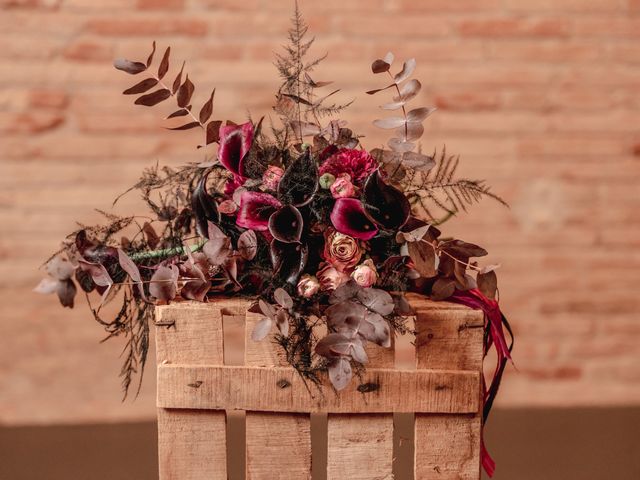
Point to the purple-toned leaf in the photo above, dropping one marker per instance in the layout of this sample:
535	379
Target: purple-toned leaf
413	131
185	92
340	373
261	329
336	344
408	91
248	244
358	353
488	284
285	224
372	92
288	260
346	291
376	329
393	105
198	285
315	84
345	316
178	113
282	322
163	68
305	129
255	210
348	216
389	122
98	273
283	298
419	114
418	161
164	283
376	300
460	249
400	145
403	307
217	250
407	69
150	57
385	204
178	80
66	292
299	183
267	309
132	270
389	58
186	126
298	99
153	98
141	87
128	66
47	286
380	66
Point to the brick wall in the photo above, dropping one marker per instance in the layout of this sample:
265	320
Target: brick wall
540	97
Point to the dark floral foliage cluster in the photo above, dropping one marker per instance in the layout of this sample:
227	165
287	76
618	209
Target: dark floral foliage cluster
298	216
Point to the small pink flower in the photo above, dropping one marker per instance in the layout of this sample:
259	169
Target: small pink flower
271	177
227	207
330	277
308	286
342	187
365	274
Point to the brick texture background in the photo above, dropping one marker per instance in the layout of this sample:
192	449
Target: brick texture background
540	97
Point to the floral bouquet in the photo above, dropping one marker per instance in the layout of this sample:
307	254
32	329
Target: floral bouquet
295	212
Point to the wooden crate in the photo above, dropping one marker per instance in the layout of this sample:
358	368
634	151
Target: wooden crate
196	389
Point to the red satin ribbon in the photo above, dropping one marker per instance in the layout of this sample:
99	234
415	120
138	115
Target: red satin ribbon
494	336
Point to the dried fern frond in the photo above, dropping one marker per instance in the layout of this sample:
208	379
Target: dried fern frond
439	190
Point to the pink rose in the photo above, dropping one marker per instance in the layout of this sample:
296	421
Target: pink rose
365	274
340	250
330	277
271	177
308	286
342	187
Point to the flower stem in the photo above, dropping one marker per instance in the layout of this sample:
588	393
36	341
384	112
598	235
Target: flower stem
165	252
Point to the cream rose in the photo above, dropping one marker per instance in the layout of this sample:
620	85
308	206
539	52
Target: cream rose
330	278
365	274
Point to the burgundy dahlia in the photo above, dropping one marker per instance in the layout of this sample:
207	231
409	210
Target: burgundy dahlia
359	164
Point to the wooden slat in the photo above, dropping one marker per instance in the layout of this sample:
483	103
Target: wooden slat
192	443
360	446
448	446
278	444
280	389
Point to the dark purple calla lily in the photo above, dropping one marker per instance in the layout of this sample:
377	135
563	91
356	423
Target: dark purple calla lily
235	142
286	224
348	217
255	210
288	260
385	204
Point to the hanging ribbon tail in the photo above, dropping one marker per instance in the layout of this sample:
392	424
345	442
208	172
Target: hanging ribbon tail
494	336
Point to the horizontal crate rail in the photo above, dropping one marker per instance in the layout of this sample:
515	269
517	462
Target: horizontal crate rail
281	389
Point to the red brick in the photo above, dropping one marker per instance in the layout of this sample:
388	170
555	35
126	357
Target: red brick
31	122
545	51
578	6
447	5
41	4
160	4
89	51
401	25
610	27
515	27
147	26
467	100
48	98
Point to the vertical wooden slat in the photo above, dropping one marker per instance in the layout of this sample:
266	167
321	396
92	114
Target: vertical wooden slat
360	446
447	447
278	444
191	443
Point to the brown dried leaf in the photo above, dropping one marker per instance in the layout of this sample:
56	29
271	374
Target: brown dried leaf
443	288
408	91
132	270
141	87
298	99
400	145
389	58
207	109
372	92
418	161
283	298
163	68
340	373
150	235
185	92
414	131
305	129
150	57
178	113
178	80
424	258
380	66
213	131
419	114
488	284
153	98
60	268
132	68
376	329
